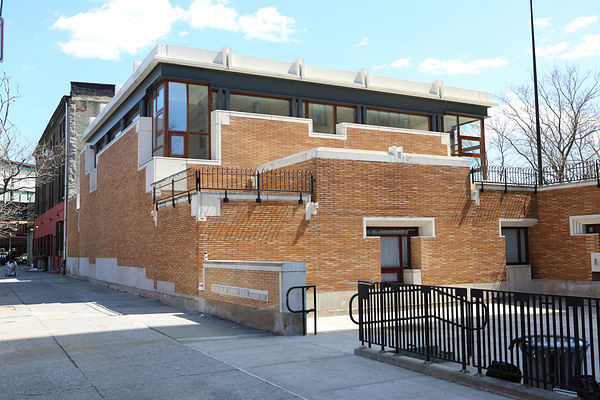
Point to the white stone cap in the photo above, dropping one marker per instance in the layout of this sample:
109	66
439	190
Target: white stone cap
296	70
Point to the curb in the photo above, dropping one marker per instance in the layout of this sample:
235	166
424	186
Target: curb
447	373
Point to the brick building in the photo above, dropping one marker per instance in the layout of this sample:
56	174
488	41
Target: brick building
220	181
63	135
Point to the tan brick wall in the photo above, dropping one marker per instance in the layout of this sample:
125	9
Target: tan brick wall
249	142
260	280
116	220
555	253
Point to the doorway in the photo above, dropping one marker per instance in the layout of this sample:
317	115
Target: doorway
395	251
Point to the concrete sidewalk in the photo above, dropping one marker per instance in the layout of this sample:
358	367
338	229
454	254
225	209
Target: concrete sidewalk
61	338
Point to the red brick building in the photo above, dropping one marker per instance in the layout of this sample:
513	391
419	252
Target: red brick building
232	179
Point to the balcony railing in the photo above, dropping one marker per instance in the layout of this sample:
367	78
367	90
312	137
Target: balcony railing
528	177
229	179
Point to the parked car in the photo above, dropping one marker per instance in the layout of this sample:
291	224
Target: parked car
3	257
22	259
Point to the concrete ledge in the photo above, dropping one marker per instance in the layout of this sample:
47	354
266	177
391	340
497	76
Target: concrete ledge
452	374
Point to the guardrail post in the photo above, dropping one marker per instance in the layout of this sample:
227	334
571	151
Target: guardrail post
173	191
154	194
597	174
258	201
426	304
505	182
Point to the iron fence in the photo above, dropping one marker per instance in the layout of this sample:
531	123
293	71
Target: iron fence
231	179
545	341
528	177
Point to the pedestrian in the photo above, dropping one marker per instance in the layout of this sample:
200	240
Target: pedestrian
11	266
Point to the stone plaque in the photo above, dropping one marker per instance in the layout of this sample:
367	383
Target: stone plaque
255	294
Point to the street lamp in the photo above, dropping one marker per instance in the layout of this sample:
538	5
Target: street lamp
538	135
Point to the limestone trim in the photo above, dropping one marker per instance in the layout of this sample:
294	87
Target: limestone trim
426	225
363	155
515	223
577	224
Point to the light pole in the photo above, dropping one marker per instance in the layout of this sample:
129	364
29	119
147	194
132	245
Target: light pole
538	134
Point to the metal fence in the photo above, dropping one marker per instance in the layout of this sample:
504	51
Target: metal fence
528	177
230	179
545	341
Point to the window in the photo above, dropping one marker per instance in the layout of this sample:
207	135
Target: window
395	250
132	116
189	119
398	120
466	138
592	228
259	105
517	251
325	116
156	111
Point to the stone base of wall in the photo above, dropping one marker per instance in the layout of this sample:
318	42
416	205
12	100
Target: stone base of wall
271	321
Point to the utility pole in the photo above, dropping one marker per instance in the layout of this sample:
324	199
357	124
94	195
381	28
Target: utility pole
538	134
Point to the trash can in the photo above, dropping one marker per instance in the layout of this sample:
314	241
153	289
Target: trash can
551	360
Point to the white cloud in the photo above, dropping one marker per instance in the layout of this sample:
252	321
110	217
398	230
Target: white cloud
184	33
542	22
267	24
589	47
455	67
363	42
401	63
379	67
581	22
127	26
552	51
206	14
117	27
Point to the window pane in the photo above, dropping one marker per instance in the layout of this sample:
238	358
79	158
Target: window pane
198	108
523	244
405	260
346	114
259	105
177	145
198	146
450	126
471	146
397	120
158	152
322	116
177	106
160	139
159	123
390	252
470	126
512	245
214	101
160	98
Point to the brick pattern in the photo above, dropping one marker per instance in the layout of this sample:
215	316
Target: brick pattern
250	142
554	252
261	280
115	220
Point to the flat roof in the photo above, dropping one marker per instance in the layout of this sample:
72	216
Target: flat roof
296	70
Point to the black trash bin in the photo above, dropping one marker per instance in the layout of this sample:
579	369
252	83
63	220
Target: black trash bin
551	360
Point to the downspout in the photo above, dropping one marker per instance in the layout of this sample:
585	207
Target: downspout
66	195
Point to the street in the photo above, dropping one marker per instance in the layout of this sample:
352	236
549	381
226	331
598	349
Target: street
62	338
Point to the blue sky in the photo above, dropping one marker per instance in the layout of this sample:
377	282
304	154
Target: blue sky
472	44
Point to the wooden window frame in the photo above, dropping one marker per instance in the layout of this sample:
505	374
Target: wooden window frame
165	112
519	252
265	96
459	138
429	121
335	107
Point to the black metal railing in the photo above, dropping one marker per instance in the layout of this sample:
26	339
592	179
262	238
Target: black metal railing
528	177
545	341
303	310
230	179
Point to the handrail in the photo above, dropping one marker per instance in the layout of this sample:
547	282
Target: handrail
304	311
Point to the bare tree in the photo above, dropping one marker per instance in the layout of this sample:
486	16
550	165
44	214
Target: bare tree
20	163
569	120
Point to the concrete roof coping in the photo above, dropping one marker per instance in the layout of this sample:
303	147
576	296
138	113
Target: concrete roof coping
225	60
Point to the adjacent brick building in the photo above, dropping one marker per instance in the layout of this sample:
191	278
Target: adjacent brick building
221	181
61	144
